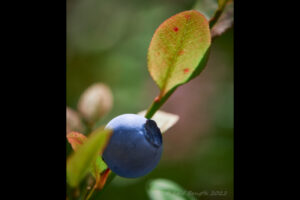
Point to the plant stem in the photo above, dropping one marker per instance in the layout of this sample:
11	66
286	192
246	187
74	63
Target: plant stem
153	108
217	15
158	102
90	194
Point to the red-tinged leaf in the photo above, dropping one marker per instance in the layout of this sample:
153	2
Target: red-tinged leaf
76	139
103	177
178	50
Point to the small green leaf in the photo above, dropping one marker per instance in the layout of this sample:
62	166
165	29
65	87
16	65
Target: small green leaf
79	164
163	119
164	189
178	50
76	140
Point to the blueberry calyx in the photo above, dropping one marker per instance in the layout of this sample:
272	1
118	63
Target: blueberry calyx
152	133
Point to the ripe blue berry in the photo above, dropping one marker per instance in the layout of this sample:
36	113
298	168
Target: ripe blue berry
135	146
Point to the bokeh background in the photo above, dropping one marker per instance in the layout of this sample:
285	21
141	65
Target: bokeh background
107	42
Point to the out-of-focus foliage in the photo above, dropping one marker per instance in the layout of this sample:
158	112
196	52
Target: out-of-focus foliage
95	25
95	102
163	189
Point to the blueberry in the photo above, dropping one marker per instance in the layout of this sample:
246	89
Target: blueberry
135	146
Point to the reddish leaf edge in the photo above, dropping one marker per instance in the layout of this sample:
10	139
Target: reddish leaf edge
102	180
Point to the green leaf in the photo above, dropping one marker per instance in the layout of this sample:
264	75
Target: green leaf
79	164
100	166
163	119
76	140
164	189
178	50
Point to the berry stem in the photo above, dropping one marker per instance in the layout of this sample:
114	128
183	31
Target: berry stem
153	108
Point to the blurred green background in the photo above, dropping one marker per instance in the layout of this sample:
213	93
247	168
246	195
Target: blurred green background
107	42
